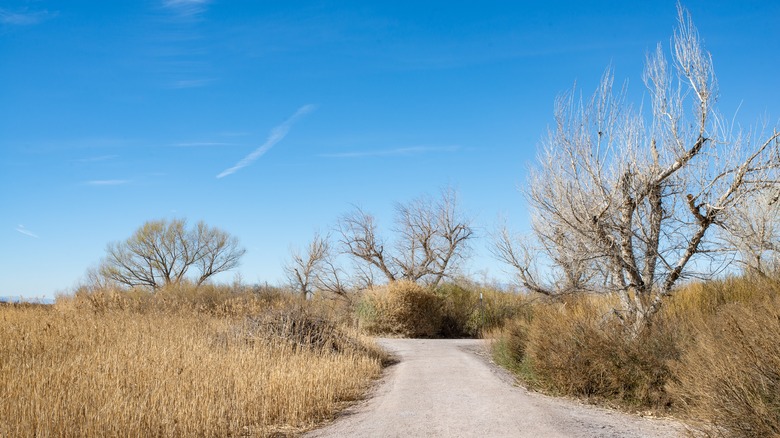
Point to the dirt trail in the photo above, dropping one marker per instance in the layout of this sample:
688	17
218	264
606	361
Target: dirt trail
448	388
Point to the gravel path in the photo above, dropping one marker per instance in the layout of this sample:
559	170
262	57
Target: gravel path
448	388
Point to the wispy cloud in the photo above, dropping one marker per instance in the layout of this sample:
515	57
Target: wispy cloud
23	18
408	151
186	8
277	134
26	232
108	182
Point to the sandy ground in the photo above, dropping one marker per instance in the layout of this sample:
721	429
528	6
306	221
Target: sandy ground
449	388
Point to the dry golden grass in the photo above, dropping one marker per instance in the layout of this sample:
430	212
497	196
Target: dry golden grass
728	378
95	370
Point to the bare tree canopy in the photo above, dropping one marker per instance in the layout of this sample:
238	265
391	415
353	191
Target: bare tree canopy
754	231
304	269
431	238
624	199
319	269
163	252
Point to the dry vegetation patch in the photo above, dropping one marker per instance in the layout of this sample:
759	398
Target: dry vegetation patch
712	355
451	310
402	308
728	380
577	348
93	369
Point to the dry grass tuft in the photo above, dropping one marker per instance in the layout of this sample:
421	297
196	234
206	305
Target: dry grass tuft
107	365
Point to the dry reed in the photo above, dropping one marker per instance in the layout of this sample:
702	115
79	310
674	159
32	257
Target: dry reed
76	371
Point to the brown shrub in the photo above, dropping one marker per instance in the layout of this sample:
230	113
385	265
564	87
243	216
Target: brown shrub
730	376
579	348
516	338
712	352
304	328
401	308
460	311
703	299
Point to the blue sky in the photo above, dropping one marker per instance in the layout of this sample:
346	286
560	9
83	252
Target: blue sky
270	119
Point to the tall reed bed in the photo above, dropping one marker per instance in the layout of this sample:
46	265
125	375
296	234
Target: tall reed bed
96	366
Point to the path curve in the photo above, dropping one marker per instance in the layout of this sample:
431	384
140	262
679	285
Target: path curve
448	388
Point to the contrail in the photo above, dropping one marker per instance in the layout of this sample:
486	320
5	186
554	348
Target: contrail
26	232
277	134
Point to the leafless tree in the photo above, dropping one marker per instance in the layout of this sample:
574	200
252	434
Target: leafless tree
304	269
364	275
332	279
565	271
94	280
162	252
432	237
634	193
753	230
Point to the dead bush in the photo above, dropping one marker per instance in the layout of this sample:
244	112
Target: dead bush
730	377
402	308
460	311
580	349
300	328
516	338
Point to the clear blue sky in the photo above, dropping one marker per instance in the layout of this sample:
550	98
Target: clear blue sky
113	113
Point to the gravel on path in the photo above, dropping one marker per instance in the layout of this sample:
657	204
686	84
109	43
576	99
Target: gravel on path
449	388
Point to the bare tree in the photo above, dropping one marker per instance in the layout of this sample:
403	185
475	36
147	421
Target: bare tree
304	269
162	252
94	280
331	278
636	192
565	270
432	237
753	230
